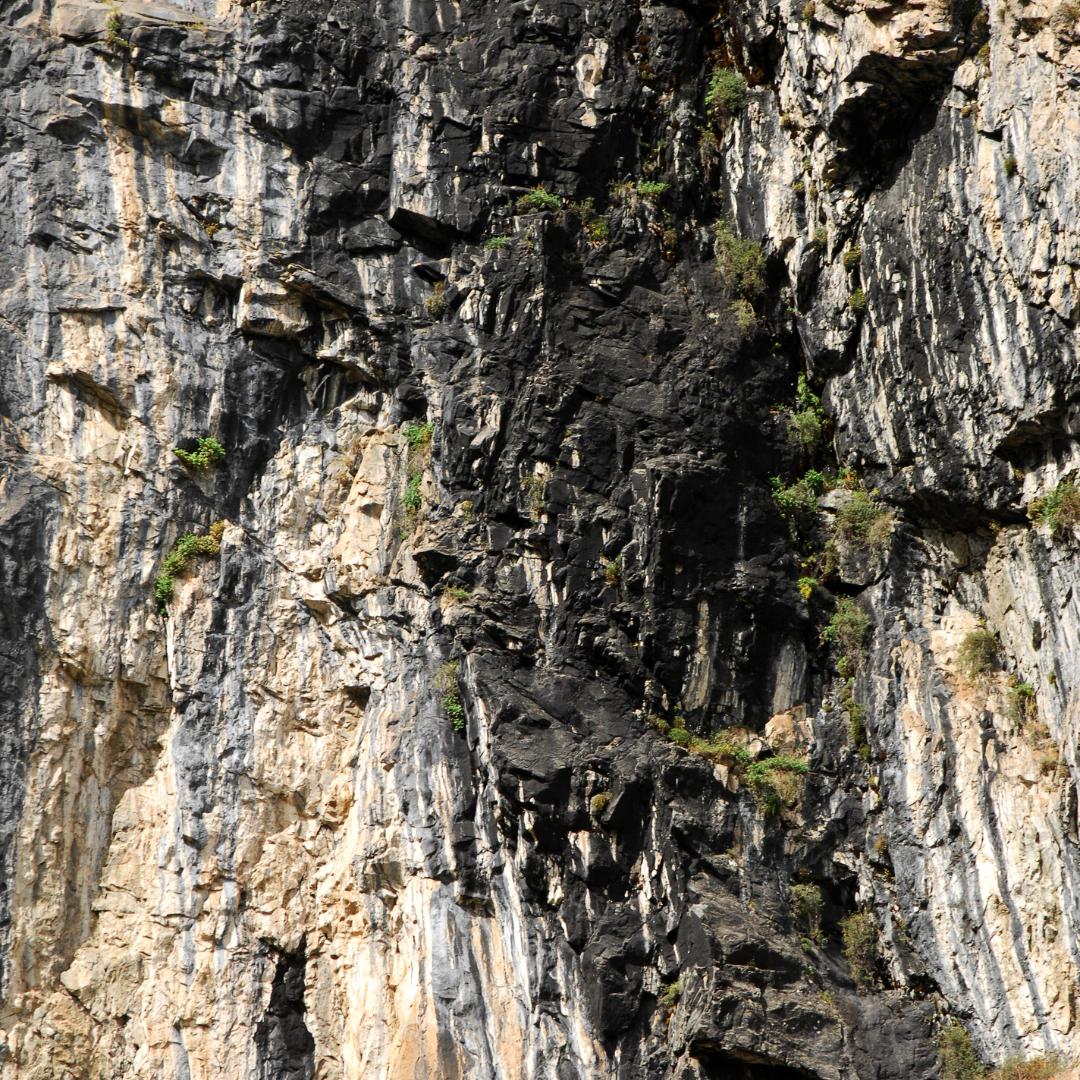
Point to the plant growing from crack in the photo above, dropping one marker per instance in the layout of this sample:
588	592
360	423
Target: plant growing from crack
446	682
184	552
208	451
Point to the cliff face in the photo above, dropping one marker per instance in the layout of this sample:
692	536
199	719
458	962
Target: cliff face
383	787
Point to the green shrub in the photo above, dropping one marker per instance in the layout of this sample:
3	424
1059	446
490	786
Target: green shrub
650	189
412	500
114	26
1009	164
1022	704
820	238
857	300
459	593
806	907
436	303
418	435
184	552
859	933
538	199
798	502
808	11
852	257
612	570
979	653
741	262
598	803
669	995
776	782
725	94
1015	1068
1059	510
744	317
863	521
847	630
806	422
806	587
679	736
496	243
856	720
958	1058
446	681
208	452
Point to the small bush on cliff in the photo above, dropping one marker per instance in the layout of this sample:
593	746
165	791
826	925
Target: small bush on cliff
179	560
669	995
1059	510
859	933
806	422
1022	704
496	243
114	26
538	199
852	257
418	441
846	631
741	262
598	803
806	906
436	304
208	452
958	1058
1044	1068
864	521
725	94
776	782
797	502
446	681
857	300
979	653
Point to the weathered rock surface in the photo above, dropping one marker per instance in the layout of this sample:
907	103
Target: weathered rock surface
243	838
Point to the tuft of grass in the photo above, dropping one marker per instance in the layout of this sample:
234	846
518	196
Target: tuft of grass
806	422
958	1058
446	682
979	653
806	905
1043	1068
418	440
744	317
436	304
859	934
538	199
669	995
776	782
418	435
1058	510
598	803
1009	165
798	502
184	552
114	26
741	262
592	224
851	257
725	94
857	300
863	521
208	452
612	570
846	631
1023	706
809	10
496	243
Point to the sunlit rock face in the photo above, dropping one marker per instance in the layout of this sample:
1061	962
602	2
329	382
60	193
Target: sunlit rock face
492	732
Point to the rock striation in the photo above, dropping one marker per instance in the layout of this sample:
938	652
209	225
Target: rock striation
500	719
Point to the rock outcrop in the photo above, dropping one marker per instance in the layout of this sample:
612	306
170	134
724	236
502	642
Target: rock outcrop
473	715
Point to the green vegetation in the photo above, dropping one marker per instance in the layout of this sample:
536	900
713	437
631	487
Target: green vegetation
979	653
612	570
725	94
1022	704
1058	510
851	257
533	487
863	521
809	10
436	303
806	422
820	238
744	317
650	189
418	440
856	719
797	502
741	262
857	301
208	452
598	803
776	782
496	243
592	224
958	1058
459	593
446	681
669	995
679	736
1009	165
538	199
859	933
179	560
806	907
806	587
1015	1068
846	631
114	38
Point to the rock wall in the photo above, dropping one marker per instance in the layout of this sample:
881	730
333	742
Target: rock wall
382	789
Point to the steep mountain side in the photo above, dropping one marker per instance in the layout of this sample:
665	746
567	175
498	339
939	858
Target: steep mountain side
594	626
